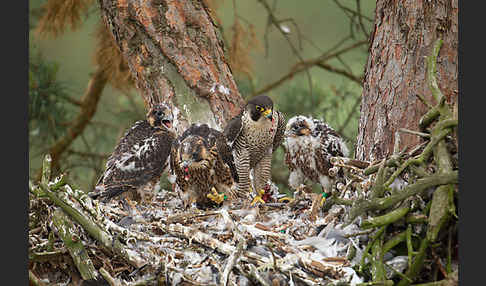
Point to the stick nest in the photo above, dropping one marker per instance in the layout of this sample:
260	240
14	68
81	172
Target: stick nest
393	222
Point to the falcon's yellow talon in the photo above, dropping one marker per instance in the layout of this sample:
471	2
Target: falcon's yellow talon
215	196
285	199
322	201
258	198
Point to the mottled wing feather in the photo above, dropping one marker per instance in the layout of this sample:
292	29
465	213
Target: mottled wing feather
329	146
225	172
175	165
329	140
115	190
173	157
279	134
139	158
138	130
227	155
233	129
322	161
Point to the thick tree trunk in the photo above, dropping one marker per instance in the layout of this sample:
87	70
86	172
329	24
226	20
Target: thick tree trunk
404	34
173	48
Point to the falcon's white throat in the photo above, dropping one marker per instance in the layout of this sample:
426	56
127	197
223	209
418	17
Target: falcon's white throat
261	123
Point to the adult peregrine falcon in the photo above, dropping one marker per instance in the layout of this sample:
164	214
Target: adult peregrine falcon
253	136
203	165
309	145
140	157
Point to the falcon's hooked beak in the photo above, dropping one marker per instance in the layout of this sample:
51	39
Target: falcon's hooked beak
167	121
268	114
299	130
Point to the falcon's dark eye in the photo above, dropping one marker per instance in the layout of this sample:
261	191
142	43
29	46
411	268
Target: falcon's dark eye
159	113
259	108
295	127
195	157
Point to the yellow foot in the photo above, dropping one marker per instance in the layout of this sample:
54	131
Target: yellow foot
215	196
258	198
323	199
286	199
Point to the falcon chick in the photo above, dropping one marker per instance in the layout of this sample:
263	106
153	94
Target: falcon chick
203	165
140	157
253	136
309	145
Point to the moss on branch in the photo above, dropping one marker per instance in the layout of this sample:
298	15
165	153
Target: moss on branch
386	219
110	243
66	232
419	186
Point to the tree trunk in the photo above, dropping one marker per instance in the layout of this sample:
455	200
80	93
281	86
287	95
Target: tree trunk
404	34
173	48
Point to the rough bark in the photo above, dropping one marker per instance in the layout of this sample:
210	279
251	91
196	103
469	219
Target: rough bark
175	55
404	34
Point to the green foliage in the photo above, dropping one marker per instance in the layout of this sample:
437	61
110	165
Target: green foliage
47	100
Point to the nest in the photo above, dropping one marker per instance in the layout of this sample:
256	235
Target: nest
160	243
391	222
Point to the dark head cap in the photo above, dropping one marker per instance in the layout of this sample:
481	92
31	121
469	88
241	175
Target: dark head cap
260	106
261	100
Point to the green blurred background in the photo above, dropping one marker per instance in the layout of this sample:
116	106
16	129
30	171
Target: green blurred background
66	62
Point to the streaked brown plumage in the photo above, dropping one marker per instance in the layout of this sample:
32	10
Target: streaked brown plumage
140	157
203	165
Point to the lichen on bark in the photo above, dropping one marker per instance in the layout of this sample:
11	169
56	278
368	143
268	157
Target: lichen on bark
174	52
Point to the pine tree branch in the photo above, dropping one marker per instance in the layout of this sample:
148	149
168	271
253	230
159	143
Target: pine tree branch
88	109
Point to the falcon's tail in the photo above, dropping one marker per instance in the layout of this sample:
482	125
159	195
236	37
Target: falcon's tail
109	193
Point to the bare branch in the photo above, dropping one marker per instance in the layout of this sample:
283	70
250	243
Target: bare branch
357	13
275	22
88	154
306	65
358	80
360	18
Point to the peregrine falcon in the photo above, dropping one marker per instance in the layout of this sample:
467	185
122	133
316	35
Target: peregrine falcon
140	157
253	135
203	165
309	145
